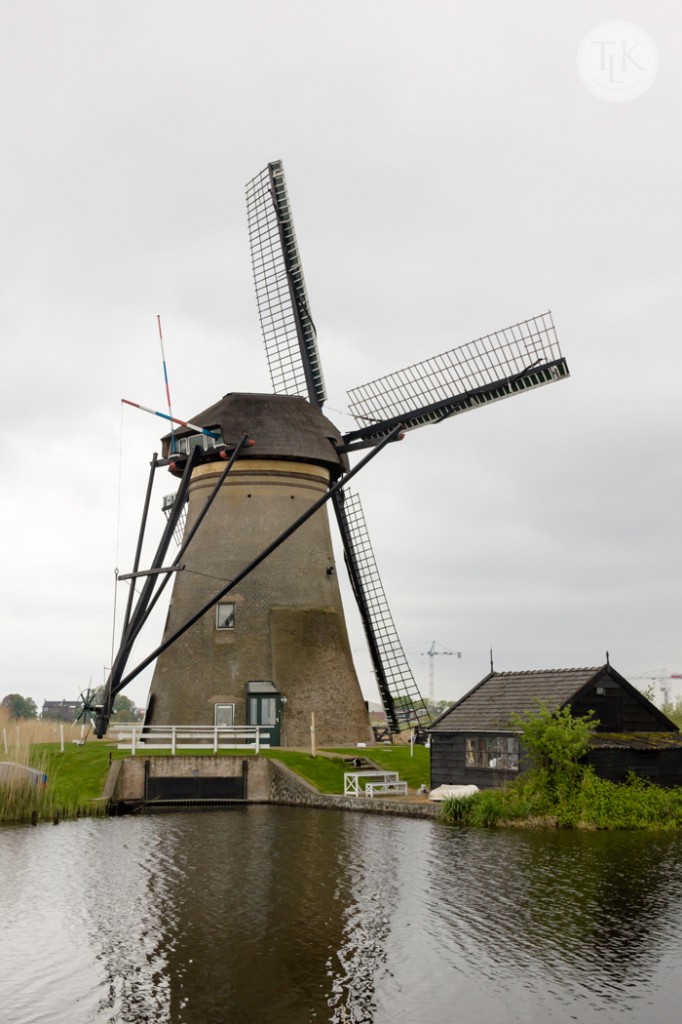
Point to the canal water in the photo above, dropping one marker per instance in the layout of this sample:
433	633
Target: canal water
286	915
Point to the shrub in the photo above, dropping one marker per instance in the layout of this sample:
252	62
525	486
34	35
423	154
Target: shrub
456	810
633	804
556	743
487	808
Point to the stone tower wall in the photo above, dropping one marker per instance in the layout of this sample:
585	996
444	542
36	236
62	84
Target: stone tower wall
289	624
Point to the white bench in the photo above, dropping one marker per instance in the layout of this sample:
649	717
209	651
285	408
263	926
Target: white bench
351	780
391	786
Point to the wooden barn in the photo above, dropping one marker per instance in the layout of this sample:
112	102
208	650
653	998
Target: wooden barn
60	710
473	742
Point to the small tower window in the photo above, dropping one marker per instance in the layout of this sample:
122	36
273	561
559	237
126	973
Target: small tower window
224	618
224	714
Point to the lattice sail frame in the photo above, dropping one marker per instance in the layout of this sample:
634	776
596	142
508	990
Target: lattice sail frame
283	307
518	358
409	709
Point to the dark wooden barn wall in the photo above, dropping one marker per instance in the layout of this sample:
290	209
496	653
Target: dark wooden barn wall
663	767
448	764
617	710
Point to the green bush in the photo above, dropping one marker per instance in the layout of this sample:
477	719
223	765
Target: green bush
633	804
457	810
486	808
556	743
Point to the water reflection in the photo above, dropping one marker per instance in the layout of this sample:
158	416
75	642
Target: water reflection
287	915
581	921
45	958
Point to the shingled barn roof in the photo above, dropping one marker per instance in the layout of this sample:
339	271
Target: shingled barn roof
491	703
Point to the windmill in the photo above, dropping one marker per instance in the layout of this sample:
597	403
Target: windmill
256	629
86	709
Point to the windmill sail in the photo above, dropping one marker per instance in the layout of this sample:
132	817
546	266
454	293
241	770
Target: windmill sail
496	366
398	690
287	326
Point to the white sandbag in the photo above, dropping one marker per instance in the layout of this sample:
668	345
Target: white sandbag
448	792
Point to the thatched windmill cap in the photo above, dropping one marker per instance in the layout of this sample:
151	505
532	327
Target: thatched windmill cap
282	426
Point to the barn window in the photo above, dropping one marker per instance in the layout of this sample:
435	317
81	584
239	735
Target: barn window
492	752
224	616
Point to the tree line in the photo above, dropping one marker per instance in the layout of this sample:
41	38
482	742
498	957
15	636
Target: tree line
26	707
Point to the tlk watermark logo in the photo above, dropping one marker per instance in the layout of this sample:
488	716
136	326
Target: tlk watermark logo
618	61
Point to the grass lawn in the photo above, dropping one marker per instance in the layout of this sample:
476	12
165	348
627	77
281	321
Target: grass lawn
325	773
413	769
76	777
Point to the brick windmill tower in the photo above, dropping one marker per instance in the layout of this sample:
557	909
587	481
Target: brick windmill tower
275	648
256	632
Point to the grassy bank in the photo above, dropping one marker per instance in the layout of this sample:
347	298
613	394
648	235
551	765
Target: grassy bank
415	769
75	781
326	771
76	775
588	802
76	778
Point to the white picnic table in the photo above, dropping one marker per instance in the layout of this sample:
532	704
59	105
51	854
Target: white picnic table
351	781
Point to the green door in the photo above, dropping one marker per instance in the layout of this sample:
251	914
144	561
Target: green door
265	709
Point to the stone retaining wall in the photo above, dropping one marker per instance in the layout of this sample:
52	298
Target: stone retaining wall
268	781
288	788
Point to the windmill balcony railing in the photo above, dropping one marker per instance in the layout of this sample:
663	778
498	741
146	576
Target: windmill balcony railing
191	737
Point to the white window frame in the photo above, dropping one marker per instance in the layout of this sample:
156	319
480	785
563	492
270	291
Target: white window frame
204	441
498	753
219	607
215	714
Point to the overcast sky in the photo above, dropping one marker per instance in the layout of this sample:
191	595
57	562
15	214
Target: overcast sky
450	173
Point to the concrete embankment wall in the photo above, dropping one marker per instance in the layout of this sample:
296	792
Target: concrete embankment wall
267	781
129	785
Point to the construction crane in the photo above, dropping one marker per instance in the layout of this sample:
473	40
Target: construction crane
431	653
666	690
662	677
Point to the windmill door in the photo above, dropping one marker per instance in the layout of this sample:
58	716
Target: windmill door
264	708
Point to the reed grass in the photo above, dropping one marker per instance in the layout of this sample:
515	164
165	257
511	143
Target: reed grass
18	732
75	771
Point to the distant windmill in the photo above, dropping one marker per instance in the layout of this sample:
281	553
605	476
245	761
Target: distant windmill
86	709
256	630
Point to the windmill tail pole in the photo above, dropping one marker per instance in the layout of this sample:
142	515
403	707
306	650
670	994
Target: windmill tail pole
131	630
140	540
244	441
147	601
174	419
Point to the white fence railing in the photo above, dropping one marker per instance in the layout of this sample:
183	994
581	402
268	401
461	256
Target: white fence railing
191	737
